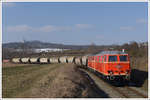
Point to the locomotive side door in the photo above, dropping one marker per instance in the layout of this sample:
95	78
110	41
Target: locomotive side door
96	61
103	64
92	62
100	64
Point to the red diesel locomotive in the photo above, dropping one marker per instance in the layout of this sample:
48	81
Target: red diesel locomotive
111	64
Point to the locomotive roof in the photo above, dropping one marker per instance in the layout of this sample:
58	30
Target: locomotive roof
111	52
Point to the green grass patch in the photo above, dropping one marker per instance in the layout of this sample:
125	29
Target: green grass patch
16	80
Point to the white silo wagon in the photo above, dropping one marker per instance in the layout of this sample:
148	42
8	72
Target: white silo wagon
16	60
78	61
43	60
70	59
63	59
84	60
24	60
54	60
34	60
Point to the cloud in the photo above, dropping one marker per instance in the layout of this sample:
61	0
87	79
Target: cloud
47	28
9	4
144	21
19	28
51	28
126	28
84	26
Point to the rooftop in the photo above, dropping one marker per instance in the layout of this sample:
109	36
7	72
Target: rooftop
111	52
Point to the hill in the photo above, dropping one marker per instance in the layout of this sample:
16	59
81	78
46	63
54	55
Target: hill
39	44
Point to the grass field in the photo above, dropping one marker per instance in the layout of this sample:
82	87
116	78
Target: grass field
54	80
44	81
17	80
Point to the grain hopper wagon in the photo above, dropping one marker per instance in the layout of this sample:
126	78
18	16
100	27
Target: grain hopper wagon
34	60
78	61
63	59
25	60
54	60
43	60
16	60
84	60
70	59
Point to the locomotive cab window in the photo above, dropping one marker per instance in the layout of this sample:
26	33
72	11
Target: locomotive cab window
100	58
112	58
105	59
123	58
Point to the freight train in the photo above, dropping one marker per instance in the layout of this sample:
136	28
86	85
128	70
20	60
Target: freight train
111	65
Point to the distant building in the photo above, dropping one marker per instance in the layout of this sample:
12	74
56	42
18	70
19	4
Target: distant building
41	50
48	50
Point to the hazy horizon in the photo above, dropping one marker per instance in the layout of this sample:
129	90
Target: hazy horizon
76	44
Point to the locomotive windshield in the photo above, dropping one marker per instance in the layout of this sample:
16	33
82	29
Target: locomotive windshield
112	58
123	58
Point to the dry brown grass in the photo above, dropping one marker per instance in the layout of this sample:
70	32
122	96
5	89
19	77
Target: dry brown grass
140	63
16	80
65	81
9	64
46	81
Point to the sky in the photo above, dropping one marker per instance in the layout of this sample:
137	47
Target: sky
80	23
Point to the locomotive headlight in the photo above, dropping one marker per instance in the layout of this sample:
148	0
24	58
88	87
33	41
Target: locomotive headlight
111	72
127	71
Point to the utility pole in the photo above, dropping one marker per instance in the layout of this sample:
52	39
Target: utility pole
23	47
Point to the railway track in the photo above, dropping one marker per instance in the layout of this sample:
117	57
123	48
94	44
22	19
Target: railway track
127	92
114	91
